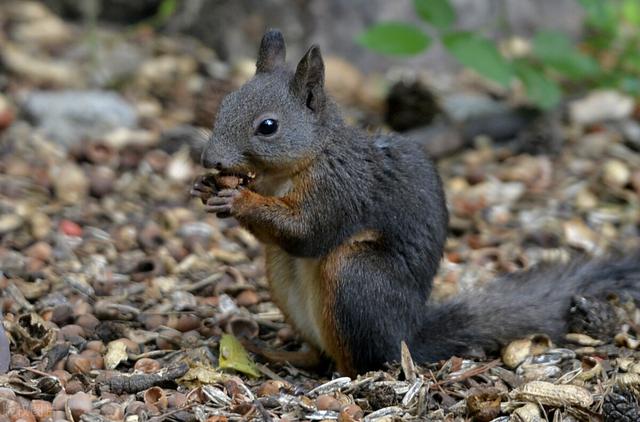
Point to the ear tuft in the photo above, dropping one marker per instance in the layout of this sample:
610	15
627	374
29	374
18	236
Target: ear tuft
308	82
272	51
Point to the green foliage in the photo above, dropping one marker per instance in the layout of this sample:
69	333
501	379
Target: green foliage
614	40
600	13
556	51
541	90
609	56
631	11
479	54
234	356
166	9
438	13
395	38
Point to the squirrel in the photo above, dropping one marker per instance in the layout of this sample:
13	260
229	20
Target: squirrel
354	227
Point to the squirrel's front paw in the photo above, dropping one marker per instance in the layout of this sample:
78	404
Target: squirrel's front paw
203	188
222	203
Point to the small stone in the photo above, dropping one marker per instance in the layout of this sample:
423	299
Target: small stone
6	113
9	223
49	31
68	117
70	184
39	250
70	228
601	106
616	174
180	167
580	236
101	180
247	298
586	200
40	225
79	404
38	68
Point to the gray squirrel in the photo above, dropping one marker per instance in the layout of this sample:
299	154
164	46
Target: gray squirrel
354	227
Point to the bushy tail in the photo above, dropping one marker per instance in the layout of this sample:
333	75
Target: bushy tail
533	301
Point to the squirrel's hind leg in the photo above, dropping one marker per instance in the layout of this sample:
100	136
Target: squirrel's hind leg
306	357
372	305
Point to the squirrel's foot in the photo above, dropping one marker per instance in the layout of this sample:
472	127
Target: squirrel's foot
222	203
203	188
307	357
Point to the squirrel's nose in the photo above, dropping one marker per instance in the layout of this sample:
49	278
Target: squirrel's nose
214	156
210	162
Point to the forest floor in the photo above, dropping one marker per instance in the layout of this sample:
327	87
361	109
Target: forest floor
117	288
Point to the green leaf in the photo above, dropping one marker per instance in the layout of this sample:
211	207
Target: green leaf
479	54
555	49
166	10
541	90
600	13
439	13
234	356
631	11
394	38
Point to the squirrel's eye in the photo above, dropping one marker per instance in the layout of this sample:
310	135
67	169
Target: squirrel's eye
267	127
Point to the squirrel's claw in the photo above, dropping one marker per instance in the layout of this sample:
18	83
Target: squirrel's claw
222	203
201	189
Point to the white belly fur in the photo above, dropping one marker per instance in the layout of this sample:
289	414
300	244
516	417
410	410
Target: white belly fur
293	288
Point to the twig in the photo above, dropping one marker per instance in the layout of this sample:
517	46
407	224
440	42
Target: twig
471	372
138	382
164	416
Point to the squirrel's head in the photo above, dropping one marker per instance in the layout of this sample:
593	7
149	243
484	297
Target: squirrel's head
273	124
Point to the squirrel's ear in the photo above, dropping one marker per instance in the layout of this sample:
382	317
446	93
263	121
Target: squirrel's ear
272	51
308	81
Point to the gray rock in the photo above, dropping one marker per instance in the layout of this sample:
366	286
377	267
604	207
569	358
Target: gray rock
68	117
631	131
465	106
